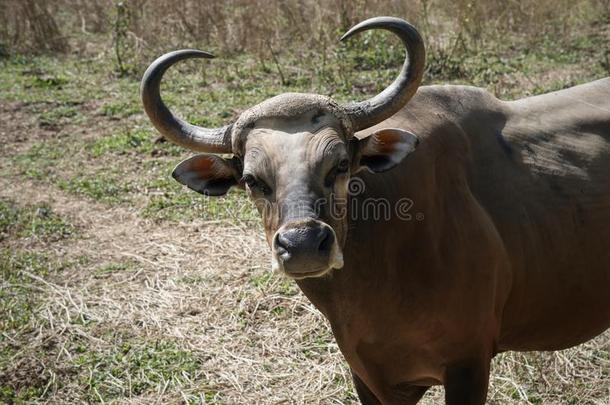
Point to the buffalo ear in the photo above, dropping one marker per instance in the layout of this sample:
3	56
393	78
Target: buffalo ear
384	149
208	174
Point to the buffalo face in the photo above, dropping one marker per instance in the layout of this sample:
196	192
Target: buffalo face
297	170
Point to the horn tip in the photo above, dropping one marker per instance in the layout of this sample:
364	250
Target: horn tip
349	33
344	37
198	53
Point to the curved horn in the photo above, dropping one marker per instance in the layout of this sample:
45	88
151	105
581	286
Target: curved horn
216	140
367	113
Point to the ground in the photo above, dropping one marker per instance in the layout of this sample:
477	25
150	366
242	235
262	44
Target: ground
118	285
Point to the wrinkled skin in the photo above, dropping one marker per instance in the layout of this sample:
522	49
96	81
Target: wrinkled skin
301	170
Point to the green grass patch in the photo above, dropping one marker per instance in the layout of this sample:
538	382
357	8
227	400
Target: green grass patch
271	282
17	301
58	115
262	281
130	141
123	142
33	221
121	109
19	297
108	269
106	187
49	81
40	161
57	163
44	78
133	367
317	345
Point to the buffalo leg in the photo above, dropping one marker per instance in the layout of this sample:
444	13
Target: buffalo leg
364	393
406	394
403	394
466	383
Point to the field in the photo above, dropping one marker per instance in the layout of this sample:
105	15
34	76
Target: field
119	286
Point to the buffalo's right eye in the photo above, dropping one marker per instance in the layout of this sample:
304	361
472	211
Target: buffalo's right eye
256	185
343	166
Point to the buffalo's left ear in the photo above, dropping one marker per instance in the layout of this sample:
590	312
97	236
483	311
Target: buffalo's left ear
208	174
384	149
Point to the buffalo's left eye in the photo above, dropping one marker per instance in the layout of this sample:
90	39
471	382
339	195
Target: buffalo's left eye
340	168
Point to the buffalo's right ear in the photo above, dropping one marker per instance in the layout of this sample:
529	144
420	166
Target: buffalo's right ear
208	174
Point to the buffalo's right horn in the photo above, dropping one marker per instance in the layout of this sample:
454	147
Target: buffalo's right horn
213	140
367	113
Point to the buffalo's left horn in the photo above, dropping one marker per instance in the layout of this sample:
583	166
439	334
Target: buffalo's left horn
367	113
214	140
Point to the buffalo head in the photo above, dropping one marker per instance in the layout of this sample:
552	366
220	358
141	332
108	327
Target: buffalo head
294	154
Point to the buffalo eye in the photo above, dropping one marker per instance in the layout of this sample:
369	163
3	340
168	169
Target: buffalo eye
256	185
340	168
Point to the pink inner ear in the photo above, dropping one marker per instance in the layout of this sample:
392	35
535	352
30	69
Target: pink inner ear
208	167
203	165
206	174
385	141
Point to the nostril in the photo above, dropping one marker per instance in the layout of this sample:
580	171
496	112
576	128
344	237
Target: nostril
326	240
281	246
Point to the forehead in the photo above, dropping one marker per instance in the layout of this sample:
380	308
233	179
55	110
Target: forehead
313	135
308	122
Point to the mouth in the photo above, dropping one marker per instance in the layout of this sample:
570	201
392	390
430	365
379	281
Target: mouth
309	274
335	263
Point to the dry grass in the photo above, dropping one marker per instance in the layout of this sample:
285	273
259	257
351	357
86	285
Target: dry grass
206	286
262	27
